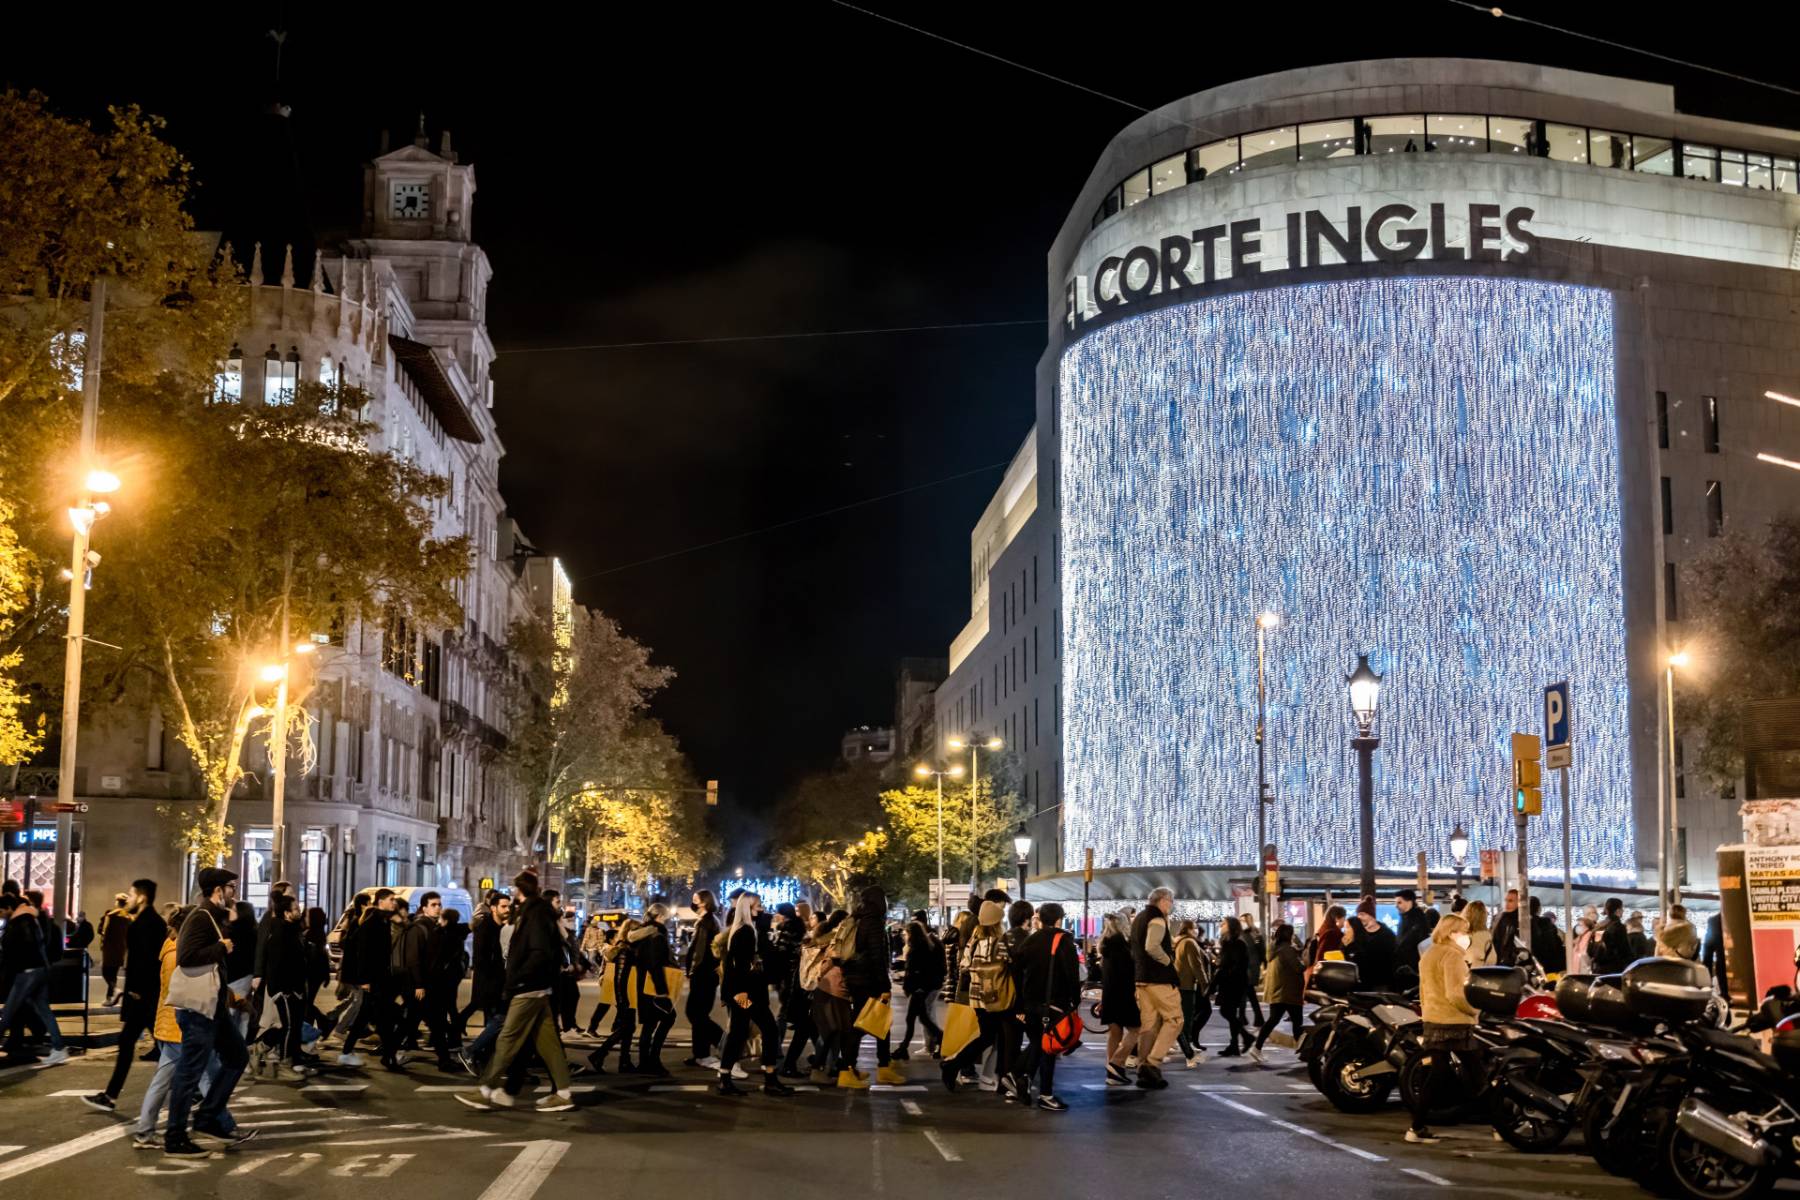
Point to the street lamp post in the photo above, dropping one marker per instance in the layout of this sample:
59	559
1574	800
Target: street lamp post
975	744
1459	854
82	516
1668	892
1264	622
1365	696
1022	845
943	901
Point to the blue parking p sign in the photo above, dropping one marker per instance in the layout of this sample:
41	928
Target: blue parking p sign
1556	725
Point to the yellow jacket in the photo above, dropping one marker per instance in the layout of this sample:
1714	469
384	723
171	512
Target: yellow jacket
1442	973
166	1029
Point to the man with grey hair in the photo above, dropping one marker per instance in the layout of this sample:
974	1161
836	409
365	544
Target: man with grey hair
1158	987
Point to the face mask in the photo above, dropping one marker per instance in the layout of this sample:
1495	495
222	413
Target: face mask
1461	939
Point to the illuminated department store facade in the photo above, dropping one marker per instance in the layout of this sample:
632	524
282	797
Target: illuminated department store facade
1452	362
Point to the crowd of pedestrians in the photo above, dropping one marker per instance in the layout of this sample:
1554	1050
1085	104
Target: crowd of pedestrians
997	993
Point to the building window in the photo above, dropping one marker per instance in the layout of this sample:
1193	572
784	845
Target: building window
1511	135
1711	406
1609	149
1662	420
1715	508
1566	143
1759	172
1699	162
1390	135
1327	139
1269	147
1669	606
1456	134
1652	155
1787	179
228	384
1668	507
280	375
1137	188
1731	167
1168	174
1215	158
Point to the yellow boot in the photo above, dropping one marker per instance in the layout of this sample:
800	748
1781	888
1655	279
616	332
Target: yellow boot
890	1074
852	1079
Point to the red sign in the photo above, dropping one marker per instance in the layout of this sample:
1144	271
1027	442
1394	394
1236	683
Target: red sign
1490	865
62	806
12	814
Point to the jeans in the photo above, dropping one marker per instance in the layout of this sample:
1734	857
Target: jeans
167	1061
529	1022
1196	1011
377	1011
201	1037
478	1050
30	992
1036	1063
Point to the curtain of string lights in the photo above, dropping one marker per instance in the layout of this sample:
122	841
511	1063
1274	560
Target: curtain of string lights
1422	469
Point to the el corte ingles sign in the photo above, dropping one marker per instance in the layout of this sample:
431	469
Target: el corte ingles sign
1235	249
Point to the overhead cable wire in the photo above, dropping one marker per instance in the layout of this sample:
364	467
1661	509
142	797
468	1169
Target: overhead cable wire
770	337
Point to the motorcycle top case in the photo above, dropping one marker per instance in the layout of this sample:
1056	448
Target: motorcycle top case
1495	991
1572	997
1597	1002
1667	989
1335	978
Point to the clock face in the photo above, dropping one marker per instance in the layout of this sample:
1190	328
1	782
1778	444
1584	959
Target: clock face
412	201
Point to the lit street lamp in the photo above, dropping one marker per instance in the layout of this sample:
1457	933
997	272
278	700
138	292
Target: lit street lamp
1459	853
922	771
975	744
1022	846
1264	622
1365	697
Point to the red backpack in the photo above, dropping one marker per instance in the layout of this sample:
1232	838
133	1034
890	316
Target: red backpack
1063	1034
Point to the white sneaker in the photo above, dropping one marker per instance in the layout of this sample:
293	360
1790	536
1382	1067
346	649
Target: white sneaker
556	1102
738	1072
498	1097
1257	1055
710	1062
988	1085
1131	1063
350	1059
1193	1061
56	1057
1421	1139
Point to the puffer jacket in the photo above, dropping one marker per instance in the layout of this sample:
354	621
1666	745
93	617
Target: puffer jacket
1190	965
166	1029
1443	972
1284	978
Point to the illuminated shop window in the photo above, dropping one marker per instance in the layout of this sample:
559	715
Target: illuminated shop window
1699	162
1759	172
1269	147
1609	149
1168	174
1215	158
1652	155
1137	188
1786	177
1327	139
1512	135
1731	168
1456	134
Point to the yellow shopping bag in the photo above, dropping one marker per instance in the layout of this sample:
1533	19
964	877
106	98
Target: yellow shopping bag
675	979
961	1026
608	987
876	1017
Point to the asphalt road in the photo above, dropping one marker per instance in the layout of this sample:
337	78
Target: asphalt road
1228	1128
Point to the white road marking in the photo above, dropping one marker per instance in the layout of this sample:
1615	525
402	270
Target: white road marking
1427	1176
527	1171
1301	1087
413	1132
896	1087
335	1087
679	1087
911	1108
1220	1087
9	1149
942	1147
72	1092
1323	1140
1243	1108
68	1149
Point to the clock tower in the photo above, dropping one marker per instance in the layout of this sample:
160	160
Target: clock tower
413	193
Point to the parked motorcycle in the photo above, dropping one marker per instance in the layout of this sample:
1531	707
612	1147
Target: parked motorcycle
1346	1048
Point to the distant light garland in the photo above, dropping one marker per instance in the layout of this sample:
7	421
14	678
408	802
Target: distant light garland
1426	469
782	889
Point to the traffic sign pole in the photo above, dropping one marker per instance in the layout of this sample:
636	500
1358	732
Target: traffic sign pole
1558	720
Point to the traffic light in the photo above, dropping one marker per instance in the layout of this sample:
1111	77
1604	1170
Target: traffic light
1528	774
712	793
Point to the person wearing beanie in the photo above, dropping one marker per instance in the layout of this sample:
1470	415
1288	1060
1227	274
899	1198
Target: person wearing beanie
987	961
1373	949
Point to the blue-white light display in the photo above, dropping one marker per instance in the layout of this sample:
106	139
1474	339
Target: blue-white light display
1422	469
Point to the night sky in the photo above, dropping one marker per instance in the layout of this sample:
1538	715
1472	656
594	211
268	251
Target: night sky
657	172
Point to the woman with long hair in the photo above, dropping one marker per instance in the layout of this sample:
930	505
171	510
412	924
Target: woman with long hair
1481	942
619	960
1449	1017
746	989
830	999
1118	995
1283	989
868	973
921	978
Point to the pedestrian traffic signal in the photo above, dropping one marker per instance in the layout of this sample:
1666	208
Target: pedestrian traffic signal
1528	774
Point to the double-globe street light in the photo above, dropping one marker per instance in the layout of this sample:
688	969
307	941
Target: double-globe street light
924	771
1365	696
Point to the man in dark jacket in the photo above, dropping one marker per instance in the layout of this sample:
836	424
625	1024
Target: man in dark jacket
1508	939
28	974
202	944
1611	949
1049	989
144	931
410	962
373	949
702	967
1712	952
487	966
449	962
1373	949
533	961
1415	931
1546	943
